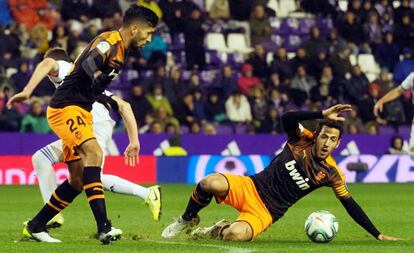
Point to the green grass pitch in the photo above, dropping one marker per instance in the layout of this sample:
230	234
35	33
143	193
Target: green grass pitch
390	206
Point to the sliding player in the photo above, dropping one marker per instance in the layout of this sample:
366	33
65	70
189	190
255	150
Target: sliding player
69	117
304	165
56	65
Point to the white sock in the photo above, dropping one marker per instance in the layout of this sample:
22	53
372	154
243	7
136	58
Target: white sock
42	161
120	185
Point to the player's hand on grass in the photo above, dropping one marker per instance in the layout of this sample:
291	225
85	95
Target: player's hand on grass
131	154
382	237
379	106
19	97
333	112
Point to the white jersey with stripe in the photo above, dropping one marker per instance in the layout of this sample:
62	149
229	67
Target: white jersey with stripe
99	111
408	83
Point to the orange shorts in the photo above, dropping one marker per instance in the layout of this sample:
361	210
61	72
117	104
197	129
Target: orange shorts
73	125
244	197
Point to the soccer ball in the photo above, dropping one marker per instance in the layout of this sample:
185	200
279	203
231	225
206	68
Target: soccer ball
321	226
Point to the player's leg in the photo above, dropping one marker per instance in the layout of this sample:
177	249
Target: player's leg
60	199
411	141
237	231
152	195
43	161
212	185
92	156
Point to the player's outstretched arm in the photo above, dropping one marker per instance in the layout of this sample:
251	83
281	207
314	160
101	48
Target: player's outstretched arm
390	96
45	67
360	217
132	151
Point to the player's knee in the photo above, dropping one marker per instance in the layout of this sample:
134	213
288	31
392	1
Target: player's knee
215	184
236	233
91	153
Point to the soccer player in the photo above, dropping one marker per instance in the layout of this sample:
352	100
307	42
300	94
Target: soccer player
56	65
304	165
69	117
407	84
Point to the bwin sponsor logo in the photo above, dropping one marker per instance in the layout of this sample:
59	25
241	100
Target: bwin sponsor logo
295	175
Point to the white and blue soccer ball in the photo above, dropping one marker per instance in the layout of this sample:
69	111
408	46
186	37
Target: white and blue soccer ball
321	226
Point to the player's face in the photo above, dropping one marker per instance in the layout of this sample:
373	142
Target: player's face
141	34
326	142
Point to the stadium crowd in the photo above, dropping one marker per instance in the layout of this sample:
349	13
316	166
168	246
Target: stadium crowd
178	83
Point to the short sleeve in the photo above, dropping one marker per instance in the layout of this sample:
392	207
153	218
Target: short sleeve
407	84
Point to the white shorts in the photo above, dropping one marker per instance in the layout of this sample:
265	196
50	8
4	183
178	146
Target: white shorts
103	133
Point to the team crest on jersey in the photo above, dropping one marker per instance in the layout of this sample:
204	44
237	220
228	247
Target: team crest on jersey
103	46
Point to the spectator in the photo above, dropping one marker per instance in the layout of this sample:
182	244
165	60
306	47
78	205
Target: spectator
220	9
387	53
272	123
403	10
139	104
404	67
258	103
404	32
300	59
109	10
199	105
161	115
258	61
329	90
301	86
260	29
175	86
350	30
238	108
281	65
355	6
146	126
60	37
335	42
194	82
39	37
155	52
194	41
247	81
35	121
171	129
209	129
159	77
372	128
214	108
10	119
171	15
9	50
225	83
314	43
353	121
185	110
357	85
157	99
195	128
277	99
340	63
383	6
373	29
21	77
352	129
367	102
156	128
317	63
397	146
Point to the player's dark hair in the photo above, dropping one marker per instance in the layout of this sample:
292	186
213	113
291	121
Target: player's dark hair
136	13
332	124
58	54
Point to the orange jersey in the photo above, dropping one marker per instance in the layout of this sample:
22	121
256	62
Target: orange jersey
107	54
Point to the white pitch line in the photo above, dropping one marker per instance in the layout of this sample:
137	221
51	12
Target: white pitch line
228	248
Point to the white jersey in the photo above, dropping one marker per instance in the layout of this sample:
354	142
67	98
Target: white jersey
408	83
99	111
